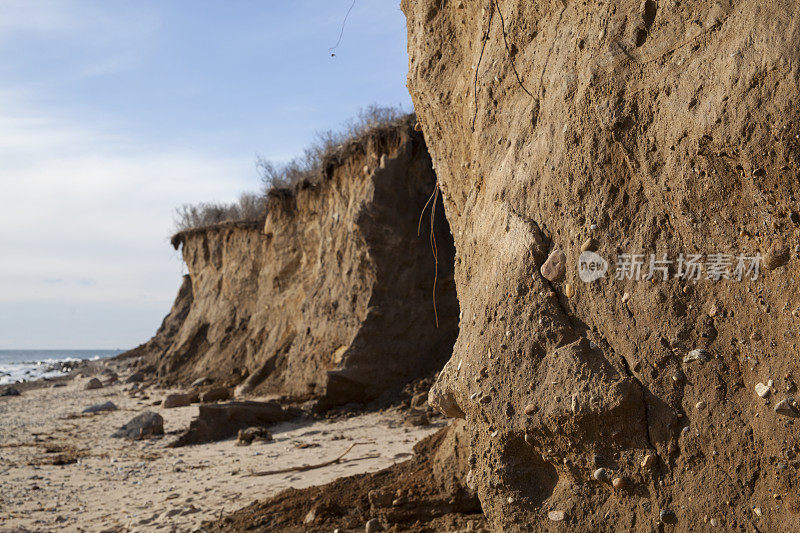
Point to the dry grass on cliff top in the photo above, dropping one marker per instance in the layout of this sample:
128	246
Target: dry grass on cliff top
306	169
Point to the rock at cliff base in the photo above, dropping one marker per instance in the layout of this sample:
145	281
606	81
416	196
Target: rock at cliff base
215	395
147	424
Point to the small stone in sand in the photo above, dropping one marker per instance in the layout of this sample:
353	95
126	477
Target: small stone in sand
531	408
667	516
786	408
619	483
556	516
697	355
98	407
762	390
93	383
569	290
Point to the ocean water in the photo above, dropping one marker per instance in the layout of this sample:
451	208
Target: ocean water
27	365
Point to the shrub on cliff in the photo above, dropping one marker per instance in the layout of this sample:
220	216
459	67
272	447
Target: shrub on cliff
308	166
250	207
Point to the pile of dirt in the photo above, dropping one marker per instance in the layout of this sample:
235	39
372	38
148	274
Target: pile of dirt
333	296
620	128
404	497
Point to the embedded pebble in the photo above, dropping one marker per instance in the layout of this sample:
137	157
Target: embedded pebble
619	483
777	256
649	461
556	516
667	516
762	390
698	354
602	474
555	267
714	522
569	290
531	408
700	405
625	297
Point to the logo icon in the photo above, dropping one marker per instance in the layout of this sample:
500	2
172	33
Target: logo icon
591	267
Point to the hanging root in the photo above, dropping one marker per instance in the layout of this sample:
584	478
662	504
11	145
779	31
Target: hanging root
433	198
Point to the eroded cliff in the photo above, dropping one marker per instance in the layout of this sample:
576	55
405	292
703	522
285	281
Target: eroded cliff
333	296
621	128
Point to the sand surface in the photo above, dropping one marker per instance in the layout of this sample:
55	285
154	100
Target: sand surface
121	485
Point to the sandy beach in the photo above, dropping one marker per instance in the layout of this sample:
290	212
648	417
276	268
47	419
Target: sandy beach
61	470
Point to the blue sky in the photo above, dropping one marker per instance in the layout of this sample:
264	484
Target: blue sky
112	113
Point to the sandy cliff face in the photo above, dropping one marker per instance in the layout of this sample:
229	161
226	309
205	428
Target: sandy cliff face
625	128
333	296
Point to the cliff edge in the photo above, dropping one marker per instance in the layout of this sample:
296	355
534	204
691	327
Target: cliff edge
332	297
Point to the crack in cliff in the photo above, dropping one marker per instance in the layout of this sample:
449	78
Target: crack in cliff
484	40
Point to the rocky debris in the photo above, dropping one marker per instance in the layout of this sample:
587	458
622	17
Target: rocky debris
177	400
93	383
136	377
777	256
99	407
416	418
554	268
253	434
215	395
147	424
420	401
762	390
217	421
698	354
373	526
380	498
9	391
787	407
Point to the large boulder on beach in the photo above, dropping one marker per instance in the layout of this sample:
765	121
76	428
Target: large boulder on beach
147	424
219	421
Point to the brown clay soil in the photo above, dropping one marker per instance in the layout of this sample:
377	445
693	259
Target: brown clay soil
412	501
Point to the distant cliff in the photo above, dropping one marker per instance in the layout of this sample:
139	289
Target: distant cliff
332	297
